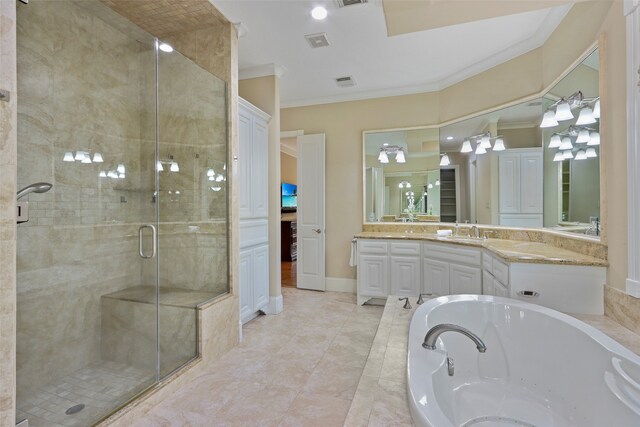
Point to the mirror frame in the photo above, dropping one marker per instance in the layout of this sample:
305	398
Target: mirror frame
600	45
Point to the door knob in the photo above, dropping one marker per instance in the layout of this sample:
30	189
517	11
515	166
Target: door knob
317	230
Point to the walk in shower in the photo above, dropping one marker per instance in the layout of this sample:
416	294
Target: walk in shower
132	236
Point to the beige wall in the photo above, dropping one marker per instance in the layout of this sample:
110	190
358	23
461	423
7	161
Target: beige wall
288	168
264	93
524	76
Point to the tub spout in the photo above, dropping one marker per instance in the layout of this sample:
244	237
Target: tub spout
433	334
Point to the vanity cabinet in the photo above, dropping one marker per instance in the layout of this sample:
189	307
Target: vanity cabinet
451	269
520	187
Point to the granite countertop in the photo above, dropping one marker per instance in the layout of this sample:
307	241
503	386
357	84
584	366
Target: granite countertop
509	250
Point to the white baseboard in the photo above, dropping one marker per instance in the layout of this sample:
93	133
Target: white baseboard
339	284
633	288
275	305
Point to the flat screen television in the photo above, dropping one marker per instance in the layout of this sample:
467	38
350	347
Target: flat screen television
289	197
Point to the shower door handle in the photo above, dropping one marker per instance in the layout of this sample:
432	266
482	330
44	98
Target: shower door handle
154	237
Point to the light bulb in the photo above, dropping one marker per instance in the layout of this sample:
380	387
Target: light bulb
559	157
400	156
319	13
585	117
549	119
567	154
165	47
174	167
485	142
159	166
594	138
383	158
566	144
445	160
499	145
480	149
97	158
581	155
563	112
591	152
68	157
596	109
583	136
466	147
120	168
555	141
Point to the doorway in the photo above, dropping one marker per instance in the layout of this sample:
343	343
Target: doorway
288	204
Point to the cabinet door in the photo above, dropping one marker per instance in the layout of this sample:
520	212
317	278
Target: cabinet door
246	273
435	277
405	276
245	134
259	169
260	277
509	184
487	284
531	183
465	280
373	275
500	290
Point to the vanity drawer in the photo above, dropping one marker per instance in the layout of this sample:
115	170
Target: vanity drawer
405	248
372	247
487	262
501	271
457	254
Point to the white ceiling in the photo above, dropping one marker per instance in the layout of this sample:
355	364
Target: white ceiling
381	65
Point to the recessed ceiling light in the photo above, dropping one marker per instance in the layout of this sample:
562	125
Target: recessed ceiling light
449	138
165	47
319	13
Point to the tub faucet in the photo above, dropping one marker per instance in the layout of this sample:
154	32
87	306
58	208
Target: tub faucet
406	302
433	334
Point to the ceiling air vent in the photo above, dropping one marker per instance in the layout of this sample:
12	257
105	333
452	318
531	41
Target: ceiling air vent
317	40
346	81
343	3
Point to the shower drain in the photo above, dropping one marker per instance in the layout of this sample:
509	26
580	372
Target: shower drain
74	409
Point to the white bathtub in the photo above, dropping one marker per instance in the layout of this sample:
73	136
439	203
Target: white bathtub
542	368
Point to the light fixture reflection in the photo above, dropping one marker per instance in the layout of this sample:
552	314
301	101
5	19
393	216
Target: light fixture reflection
400	157
79	156
591	152
437	183
594	138
159	166
499	145
466	147
563	112
581	155
585	117
567	154
559	157
68	157
174	167
596	109
480	149
583	136
97	158
383	158
566	144
555	141
120	168
430	186
549	119
102	174
86	159
445	160
485	142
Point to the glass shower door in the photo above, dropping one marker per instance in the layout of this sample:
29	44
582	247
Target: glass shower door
87	316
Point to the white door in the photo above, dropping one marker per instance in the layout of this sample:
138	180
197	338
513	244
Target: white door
405	276
246	280
465	280
435	277
373	275
310	217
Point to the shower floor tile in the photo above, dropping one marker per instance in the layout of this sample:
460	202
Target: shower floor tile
101	387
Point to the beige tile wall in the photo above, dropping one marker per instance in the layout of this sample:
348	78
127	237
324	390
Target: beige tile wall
8	160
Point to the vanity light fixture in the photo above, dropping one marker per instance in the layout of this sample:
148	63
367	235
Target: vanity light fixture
485	141
555	141
383	158
466	147
400	157
566	144
480	149
319	13
581	155
404	184
549	119
68	157
559	157
585	117
97	158
387	150
583	136
79	156
563	112
591	152
596	109
594	138
499	145
444	161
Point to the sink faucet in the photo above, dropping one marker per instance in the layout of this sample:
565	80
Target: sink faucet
476	232
433	334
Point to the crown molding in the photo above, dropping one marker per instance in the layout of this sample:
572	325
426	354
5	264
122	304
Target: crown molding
262	71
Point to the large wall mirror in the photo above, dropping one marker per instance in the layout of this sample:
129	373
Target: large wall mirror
534	164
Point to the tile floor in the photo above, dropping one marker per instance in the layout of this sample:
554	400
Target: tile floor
299	368
100	387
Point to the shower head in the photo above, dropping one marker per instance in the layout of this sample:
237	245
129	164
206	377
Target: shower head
38	187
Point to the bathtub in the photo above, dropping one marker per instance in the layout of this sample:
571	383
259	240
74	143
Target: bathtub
542	368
